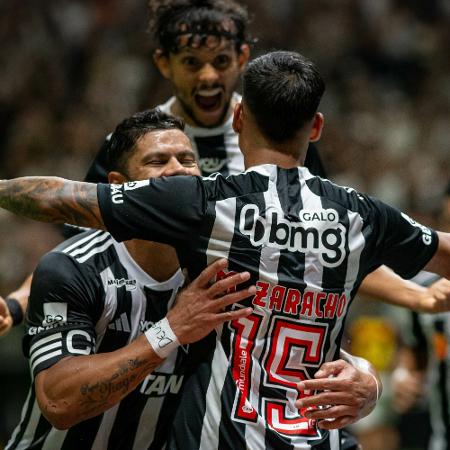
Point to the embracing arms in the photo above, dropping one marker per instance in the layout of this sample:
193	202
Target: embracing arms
77	388
385	285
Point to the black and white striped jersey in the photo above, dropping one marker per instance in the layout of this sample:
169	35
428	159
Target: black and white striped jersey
433	332
216	149
308	244
89	296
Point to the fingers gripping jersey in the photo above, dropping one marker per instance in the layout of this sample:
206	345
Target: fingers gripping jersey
308	244
89	296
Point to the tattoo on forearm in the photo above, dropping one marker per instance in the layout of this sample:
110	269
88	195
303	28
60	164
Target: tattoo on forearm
126	377
51	199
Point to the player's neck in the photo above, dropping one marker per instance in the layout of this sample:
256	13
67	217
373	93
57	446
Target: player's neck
265	155
257	150
160	261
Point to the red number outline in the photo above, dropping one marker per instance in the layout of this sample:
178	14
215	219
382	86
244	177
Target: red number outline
307	338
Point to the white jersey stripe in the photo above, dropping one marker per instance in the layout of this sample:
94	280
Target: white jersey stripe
313	269
147	423
222	233
44	349
44	341
22	418
78	243
335	443
45	358
110	306
55	439
30	430
210	430
95	251
94	241
104	430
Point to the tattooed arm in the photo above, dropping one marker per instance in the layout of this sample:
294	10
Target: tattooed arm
80	387
52	199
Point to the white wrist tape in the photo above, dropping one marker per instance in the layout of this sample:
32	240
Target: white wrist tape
377	384
162	338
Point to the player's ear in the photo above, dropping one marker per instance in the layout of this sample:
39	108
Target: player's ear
116	177
161	60
317	126
243	56
237	118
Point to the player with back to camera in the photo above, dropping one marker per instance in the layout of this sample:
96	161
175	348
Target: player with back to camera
307	243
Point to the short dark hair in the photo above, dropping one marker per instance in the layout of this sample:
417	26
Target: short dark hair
176	24
282	91
122	141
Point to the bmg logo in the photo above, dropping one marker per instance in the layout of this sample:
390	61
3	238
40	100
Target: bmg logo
319	235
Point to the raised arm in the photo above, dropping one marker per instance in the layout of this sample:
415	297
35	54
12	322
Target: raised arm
440	263
385	285
52	199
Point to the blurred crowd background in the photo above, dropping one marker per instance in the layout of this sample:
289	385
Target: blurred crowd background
70	70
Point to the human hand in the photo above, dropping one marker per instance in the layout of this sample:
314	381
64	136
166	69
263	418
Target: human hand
6	321
201	306
436	297
346	394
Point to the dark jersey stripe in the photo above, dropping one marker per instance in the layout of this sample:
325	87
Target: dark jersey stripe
212	154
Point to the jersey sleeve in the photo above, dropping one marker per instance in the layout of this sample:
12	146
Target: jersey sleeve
166	210
63	309
406	245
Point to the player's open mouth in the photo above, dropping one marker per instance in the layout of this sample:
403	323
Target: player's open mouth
209	99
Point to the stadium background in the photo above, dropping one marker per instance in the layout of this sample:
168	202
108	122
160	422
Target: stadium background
71	69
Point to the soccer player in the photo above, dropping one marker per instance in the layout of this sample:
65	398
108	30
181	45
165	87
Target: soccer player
93	308
307	243
426	357
202	48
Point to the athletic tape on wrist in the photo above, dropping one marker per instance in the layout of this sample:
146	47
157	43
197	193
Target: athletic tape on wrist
377	384
162	338
15	310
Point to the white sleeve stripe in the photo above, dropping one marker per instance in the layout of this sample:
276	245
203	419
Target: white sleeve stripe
45	358
45	341
45	349
95	241
94	251
81	241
